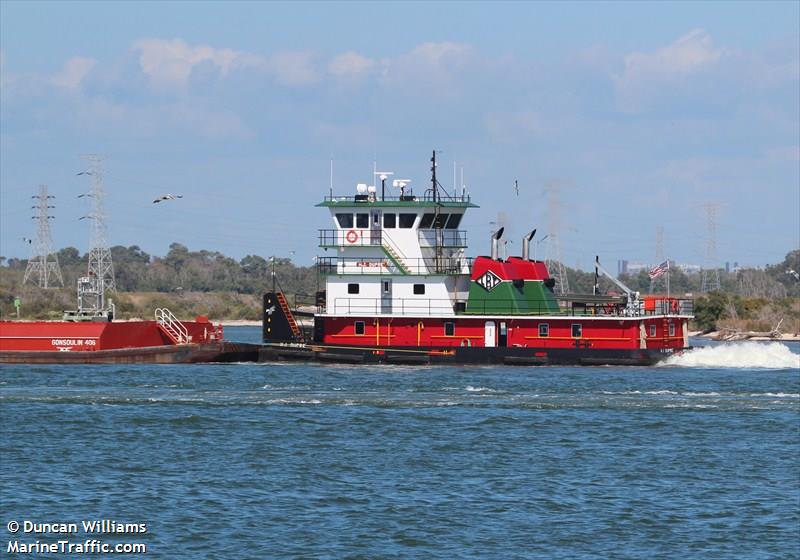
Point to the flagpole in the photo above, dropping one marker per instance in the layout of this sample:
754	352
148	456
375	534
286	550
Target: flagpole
668	300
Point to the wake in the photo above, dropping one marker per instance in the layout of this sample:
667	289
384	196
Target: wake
772	355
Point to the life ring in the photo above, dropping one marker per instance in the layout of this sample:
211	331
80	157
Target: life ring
351	236
466	342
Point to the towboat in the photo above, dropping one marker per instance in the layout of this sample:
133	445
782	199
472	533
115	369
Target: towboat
401	289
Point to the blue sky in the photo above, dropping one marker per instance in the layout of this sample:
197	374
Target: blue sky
640	112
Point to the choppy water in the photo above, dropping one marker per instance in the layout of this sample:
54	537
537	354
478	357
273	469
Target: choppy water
320	461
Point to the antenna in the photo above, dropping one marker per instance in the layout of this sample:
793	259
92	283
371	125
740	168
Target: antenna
710	270
331	186
383	175
40	263
434	182
101	267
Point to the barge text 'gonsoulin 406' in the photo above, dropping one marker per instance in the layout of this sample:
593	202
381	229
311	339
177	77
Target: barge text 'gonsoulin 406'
401	290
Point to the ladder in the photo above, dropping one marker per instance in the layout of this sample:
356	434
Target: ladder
394	254
170	326
289	316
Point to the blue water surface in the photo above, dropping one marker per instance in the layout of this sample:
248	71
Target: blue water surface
319	461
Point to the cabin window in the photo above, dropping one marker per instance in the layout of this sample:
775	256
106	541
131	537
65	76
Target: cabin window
389	220
449	329
454	221
419	289
577	330
352	288
345	220
359	327
387	287
362	220
438	223
652	330
426	221
407	220
672	329
544	330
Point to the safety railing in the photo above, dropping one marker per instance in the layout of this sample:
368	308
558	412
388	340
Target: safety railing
447	238
408	196
176	330
515	307
383	266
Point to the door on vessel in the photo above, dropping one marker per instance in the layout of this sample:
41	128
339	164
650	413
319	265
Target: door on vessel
386	295
489	335
375	228
503	338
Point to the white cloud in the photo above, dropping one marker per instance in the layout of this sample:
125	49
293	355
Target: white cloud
646	74
73	73
350	65
293	68
427	67
169	63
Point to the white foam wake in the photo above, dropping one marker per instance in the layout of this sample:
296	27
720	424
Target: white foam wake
772	355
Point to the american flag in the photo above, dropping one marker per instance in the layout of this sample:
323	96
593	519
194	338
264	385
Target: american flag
658	270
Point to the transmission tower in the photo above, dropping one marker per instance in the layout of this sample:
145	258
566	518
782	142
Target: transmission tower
553	259
43	264
100	266
660	281
710	270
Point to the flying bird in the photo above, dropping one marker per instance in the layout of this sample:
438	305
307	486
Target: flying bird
164	197
516	187
85	194
85	173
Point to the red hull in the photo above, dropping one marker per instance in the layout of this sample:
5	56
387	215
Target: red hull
133	342
617	333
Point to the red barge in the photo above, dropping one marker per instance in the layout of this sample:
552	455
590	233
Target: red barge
402	290
90	336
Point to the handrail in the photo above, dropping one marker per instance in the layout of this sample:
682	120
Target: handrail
170	323
538	307
383	266
407	197
449	238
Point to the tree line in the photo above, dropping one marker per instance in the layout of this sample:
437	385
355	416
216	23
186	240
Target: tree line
182	271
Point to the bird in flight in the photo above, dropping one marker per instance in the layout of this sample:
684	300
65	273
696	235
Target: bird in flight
516	187
164	197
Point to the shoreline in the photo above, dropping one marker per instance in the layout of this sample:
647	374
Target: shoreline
715	335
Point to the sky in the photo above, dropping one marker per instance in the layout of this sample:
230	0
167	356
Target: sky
632	116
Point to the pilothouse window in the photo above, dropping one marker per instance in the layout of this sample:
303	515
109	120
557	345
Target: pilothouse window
419	289
352	288
389	220
426	221
407	220
362	220
438	223
345	220
453	222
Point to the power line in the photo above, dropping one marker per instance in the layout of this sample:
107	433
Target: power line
710	269
553	259
101	269
44	262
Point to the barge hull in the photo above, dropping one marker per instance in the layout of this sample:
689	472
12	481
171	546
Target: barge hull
168	354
